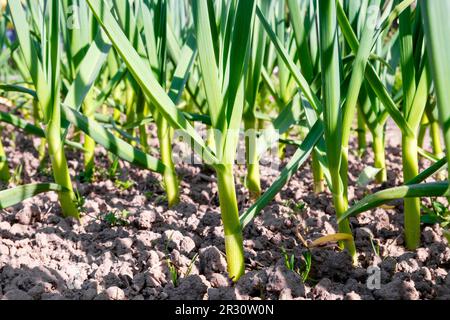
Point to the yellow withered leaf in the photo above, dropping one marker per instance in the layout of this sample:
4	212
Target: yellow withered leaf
331	238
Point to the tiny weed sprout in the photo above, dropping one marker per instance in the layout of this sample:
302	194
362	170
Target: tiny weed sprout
289	261
123	185
307	266
437	214
117	218
173	272
282	106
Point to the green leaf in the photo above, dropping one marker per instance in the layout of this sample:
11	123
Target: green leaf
17	88
13	196
429	171
143	75
436	189
208	62
89	70
30	128
371	75
331	91
298	77
30	55
436	25
182	71
112	143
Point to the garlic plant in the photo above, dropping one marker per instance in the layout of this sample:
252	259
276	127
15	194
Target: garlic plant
105	70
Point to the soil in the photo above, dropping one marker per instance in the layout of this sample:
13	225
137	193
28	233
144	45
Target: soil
44	256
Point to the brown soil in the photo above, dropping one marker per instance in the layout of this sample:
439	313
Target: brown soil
43	256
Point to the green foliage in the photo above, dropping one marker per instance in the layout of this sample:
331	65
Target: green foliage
305	70
123	184
117	218
290	263
438	214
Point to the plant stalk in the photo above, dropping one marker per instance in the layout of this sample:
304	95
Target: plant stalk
318	176
435	133
341	206
130	107
424	124
4	169
37	115
362	132
143	110
282	146
171	185
89	143
336	140
379	157
253	181
59	164
436	25
234	244
411	205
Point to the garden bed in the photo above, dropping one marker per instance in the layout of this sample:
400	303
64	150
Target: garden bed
129	245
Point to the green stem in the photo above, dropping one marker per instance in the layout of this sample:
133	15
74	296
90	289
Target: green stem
435	132
340	203
89	143
165	144
143	110
41	153
380	159
116	115
59	165
422	130
230	216
130	108
282	146
339	182
37	115
89	154
337	127
362	142
253	182
143	138
318	176
4	169
411	205
210	138
343	171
